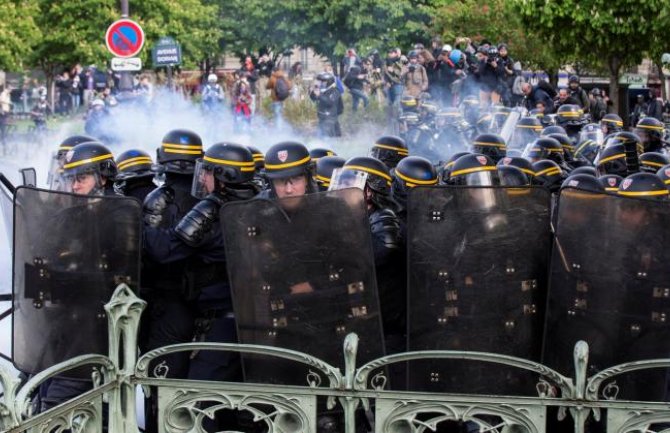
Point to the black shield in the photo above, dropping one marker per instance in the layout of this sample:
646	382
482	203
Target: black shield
70	253
302	277
610	286
7	210
477	260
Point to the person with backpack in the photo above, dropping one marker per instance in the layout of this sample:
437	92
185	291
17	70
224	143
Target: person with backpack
355	81
280	89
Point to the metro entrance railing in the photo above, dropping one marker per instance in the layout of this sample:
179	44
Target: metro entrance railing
183	405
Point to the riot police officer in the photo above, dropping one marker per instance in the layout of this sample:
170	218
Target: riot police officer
610	182
612	160
389	149
474	170
411	172
290	171
548	174
572	119
169	289
611	123
135	176
320	152
525	166
651	162
650	130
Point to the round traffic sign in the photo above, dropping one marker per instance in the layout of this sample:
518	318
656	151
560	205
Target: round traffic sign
124	38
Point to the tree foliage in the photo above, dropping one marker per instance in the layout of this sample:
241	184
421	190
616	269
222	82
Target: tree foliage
608	34
18	32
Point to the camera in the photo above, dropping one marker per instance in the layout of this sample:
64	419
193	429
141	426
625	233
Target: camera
412	68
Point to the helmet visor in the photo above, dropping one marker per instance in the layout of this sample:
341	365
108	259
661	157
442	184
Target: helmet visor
203	180
596	136
346	178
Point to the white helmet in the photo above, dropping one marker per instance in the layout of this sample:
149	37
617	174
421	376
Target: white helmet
446	48
211	78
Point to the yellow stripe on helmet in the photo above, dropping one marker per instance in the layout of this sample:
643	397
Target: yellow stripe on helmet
400	150
610	158
132	164
548	171
488	143
412	182
87	161
133	161
473	170
287	164
229	162
643	193
181	146
368	170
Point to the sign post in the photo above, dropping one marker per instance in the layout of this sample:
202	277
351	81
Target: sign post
166	53
124	39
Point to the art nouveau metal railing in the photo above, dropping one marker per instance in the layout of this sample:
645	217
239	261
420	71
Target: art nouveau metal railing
185	404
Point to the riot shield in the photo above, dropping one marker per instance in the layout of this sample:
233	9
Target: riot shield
477	260
610	286
7	209
70	253
510	124
302	277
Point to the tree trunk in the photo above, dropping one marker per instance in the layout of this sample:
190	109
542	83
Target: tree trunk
49	84
614	66
553	77
661	76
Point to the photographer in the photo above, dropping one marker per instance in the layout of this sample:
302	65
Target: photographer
393	76
415	78
508	76
490	74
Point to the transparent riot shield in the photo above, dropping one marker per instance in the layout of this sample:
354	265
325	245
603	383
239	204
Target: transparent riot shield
610	286
7	211
302	276
477	260
70	253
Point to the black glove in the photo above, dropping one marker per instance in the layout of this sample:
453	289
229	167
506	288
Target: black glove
155	204
385	227
198	222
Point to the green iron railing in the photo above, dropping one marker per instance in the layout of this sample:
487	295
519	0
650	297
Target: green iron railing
183	405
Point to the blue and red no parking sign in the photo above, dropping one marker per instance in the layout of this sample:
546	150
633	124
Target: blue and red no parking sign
124	38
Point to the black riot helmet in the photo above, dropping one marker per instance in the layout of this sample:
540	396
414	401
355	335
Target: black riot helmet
644	185
585	169
525	131
664	174
324	170
91	158
522	164
179	151
571	118
389	149
491	145
545	148
512	176
651	162
473	170
611	123
548	174
650	130
587	151
445	170
376	176
320	152
610	182
288	159
584	182
226	165
612	160
57	159
259	158
553	129
411	172
566	144
134	163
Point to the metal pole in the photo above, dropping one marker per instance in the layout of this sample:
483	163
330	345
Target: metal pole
169	77
125	79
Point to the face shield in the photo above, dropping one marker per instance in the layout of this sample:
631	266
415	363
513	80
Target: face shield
54	176
522	137
347	178
204	181
595	135
488	176
84	182
533	153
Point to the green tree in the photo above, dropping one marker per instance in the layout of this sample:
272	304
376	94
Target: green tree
18	32
607	34
191	22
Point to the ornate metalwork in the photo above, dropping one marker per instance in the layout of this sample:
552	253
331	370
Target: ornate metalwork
184	405
185	411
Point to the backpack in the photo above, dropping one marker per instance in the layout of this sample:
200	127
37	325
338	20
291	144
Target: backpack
282	88
542	84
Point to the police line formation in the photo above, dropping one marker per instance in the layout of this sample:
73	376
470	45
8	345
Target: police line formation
522	238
